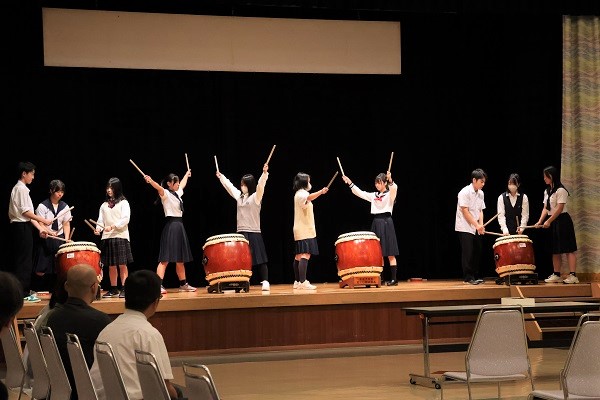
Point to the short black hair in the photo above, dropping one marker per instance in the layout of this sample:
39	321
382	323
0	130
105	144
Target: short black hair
142	288
11	297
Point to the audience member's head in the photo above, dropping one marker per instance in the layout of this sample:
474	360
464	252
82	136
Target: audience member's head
11	298
142	289
81	282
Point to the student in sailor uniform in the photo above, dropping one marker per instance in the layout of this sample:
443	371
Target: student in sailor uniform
50	208
174	243
382	204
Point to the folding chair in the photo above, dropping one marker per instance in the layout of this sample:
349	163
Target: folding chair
41	379
81	372
199	382
60	387
498	349
580	377
15	367
112	380
151	379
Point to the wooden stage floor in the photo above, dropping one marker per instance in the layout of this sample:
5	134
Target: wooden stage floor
202	323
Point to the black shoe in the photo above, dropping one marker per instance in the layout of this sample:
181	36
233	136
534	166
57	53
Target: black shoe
479	281
122	294
471	282
111	294
393	282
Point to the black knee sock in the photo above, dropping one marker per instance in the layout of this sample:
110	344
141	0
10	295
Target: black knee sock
296	273
264	272
394	270
302	267
182	282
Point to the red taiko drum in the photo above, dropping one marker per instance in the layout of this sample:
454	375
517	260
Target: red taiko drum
73	253
513	254
358	254
227	258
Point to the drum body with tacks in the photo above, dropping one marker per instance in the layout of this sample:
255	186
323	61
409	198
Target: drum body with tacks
227	262
513	254
359	259
73	253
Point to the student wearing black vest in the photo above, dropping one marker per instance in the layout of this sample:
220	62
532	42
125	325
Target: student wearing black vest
53	206
513	208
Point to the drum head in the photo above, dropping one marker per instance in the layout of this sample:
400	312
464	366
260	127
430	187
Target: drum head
230	237
359	235
77	246
512	239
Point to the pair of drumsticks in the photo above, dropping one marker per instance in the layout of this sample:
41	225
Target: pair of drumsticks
500	234
60	214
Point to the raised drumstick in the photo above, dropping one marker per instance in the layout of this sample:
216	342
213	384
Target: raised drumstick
187	162
63	212
138	168
340	164
332	179
216	164
270	154
390	164
491	219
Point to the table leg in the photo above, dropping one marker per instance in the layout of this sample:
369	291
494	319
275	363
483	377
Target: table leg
425	379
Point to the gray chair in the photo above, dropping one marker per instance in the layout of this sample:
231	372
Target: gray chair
41	379
151	379
60	387
15	367
112	380
199	382
81	372
580	377
497	351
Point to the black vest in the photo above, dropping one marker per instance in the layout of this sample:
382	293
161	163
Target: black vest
512	212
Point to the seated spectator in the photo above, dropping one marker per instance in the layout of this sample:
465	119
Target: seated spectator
131	331
77	316
11	301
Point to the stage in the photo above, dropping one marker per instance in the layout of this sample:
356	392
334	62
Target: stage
282	319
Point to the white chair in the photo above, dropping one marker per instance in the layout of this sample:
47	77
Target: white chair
112	380
199	382
60	387
497	351
151	379
580	377
15	367
81	372
41	379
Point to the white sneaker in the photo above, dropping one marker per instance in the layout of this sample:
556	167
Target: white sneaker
571	279
553	279
307	286
265	286
296	285
187	288
163	290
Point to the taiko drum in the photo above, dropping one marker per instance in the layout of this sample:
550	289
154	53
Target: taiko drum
513	254
73	253
227	258
358	254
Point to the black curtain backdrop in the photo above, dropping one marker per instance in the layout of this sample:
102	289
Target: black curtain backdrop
477	90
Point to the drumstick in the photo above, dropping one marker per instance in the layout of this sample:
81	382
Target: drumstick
494	233
72	233
391	158
60	214
340	164
90	225
58	238
531	226
270	154
331	181
187	162
95	222
216	164
138	168
491	219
